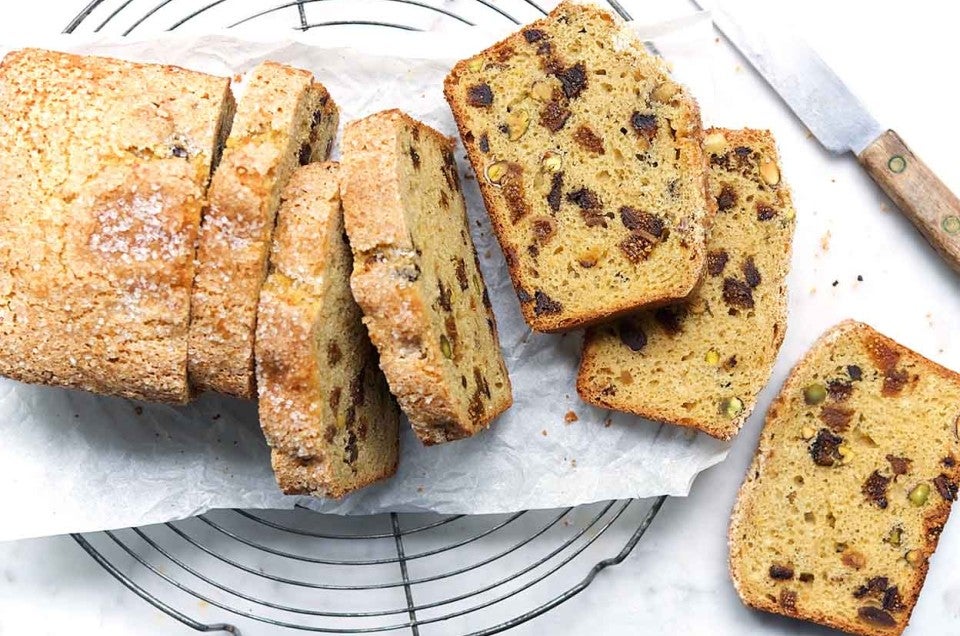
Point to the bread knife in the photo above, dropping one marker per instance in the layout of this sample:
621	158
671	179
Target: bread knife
842	124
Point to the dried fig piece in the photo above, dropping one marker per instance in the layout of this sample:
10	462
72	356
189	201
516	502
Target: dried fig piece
573	79
836	417
545	305
716	261
875	489
588	140
876	616
737	293
947	488
556	191
726	199
825	448
899	465
632	335
480	95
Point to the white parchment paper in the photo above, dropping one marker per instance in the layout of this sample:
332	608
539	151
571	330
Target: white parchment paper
73	462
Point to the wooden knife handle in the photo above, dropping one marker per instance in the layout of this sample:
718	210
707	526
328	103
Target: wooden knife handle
917	191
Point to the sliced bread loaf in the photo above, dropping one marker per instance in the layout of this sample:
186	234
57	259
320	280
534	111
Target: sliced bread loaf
701	363
852	483
103	167
417	278
284	118
324	405
590	163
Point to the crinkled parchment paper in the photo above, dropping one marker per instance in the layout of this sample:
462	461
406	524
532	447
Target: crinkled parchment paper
73	462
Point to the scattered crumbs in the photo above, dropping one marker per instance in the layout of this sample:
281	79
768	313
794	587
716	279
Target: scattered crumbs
825	241
884	207
859	278
570	417
835	283
607	422
833	180
566	522
217	416
236	443
737	69
929	318
468	177
138	410
813	291
487	254
716	40
544	432
477	222
809	135
419	488
77	415
573	463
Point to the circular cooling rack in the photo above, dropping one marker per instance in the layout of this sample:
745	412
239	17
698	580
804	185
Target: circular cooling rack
272	572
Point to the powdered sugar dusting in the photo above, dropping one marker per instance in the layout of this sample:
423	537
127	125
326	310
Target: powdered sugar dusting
133	229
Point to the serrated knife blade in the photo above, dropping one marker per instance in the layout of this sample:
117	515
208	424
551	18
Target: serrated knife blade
840	122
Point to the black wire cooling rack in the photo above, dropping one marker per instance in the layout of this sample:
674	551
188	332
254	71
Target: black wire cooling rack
279	571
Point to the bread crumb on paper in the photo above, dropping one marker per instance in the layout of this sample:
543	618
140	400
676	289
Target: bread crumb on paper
825	241
570	417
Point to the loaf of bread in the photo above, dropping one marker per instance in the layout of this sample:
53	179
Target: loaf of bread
852	483
590	163
324	405
417	278
103	167
284	118
701	363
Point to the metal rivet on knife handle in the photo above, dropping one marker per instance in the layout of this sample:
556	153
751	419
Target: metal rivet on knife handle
919	194
897	164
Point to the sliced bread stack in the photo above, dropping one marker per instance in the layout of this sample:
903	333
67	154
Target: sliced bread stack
285	118
702	362
324	405
590	163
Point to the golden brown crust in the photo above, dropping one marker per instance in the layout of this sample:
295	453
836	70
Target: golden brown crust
103	187
285	117
324	405
722	374
519	201
393	266
897	605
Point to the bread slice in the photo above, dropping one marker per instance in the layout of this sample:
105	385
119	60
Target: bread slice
324	405
417	278
852	483
284	118
103	167
701	363
590	163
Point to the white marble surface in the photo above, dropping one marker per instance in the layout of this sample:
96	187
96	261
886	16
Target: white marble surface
899	59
